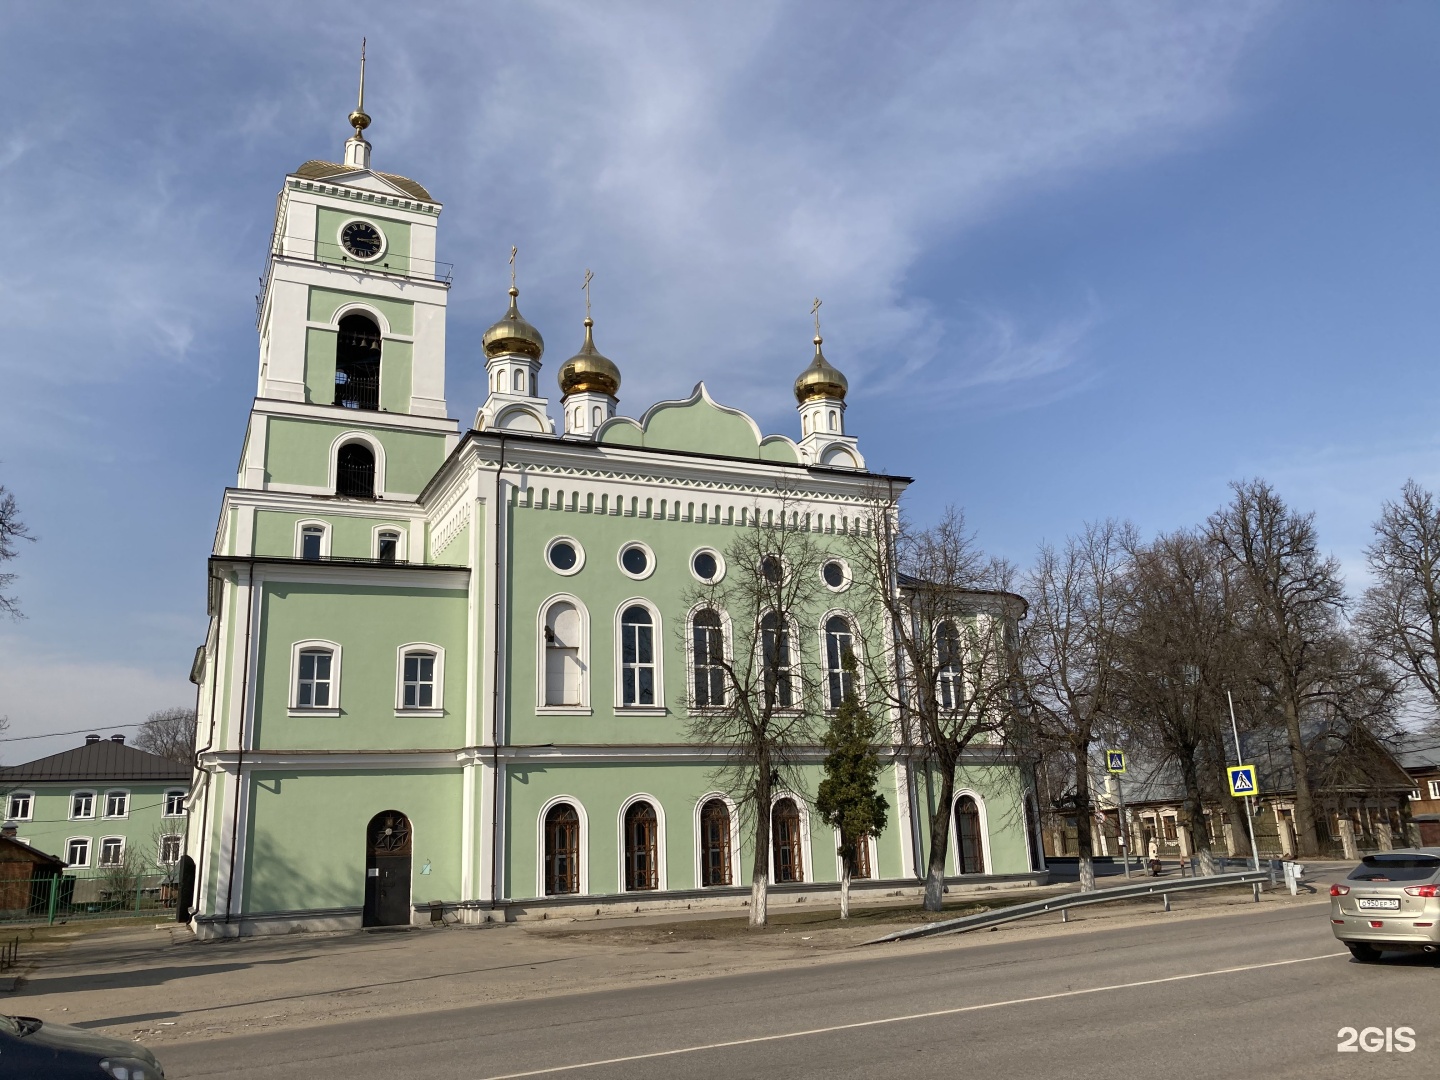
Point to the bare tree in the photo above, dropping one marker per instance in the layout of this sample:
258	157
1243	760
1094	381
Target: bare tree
12	529
1069	656
950	677
1292	599
750	696
1399	616
169	733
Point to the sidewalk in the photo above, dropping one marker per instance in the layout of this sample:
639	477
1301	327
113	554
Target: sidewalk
158	985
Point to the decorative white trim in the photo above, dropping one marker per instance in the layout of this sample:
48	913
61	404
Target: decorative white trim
735	877
856	644
165	805
797	660
583	851
719	566
984	829
402	545
438	425
579	555
359	307
94	798
100	852
325	535
845	568
22	793
438	709
661	869
89	850
541	708
806	865
376	447
361	259
331	710
649	559
658	650
105	810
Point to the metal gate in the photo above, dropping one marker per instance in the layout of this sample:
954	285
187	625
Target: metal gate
387	870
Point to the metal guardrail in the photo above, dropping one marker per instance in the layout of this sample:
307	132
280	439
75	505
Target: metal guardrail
1070	900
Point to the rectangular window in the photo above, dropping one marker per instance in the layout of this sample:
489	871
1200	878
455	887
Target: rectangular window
313	691
839	660
170	849
117	803
1434	787
175	803
1415	795
779	670
310	541
112	851
82	804
22	804
77	851
637	658
1168	824
708	642
419	690
389	549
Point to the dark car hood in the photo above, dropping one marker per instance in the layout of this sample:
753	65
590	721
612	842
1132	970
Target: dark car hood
65	1037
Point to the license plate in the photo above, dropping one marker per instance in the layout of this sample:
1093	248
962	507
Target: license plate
1365	904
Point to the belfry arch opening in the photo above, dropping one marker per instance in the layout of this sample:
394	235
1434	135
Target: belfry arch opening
357	363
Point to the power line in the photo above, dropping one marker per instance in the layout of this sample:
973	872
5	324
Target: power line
58	734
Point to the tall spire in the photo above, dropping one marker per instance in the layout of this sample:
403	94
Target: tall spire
357	149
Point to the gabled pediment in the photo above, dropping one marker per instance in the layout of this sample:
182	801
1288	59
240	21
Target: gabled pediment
698	424
363	179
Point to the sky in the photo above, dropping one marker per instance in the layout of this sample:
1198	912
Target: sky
1078	261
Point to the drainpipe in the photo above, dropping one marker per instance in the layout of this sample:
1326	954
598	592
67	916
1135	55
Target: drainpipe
204	773
498	511
240	745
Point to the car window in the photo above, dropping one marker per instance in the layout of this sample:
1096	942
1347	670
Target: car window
1396	868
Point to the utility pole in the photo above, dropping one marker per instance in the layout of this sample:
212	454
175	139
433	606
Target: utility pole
1249	807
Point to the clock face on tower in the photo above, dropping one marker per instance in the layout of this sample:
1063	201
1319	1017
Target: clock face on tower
362	240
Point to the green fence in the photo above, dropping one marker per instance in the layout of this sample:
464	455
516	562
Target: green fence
94	895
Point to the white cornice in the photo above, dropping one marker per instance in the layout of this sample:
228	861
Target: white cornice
323	501
349	278
374	575
336	414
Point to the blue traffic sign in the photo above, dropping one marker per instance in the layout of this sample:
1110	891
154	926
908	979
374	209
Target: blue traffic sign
1242	780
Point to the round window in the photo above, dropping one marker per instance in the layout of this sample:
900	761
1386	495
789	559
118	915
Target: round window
637	560
705	566
772	569
834	574
564	555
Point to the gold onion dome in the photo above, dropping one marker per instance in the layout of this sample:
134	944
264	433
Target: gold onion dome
588	370
820	380
513	334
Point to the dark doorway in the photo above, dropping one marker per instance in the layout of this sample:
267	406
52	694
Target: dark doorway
387	870
715	841
355	471
641	863
785	820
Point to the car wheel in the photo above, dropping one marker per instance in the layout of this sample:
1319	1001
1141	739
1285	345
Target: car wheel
1362	952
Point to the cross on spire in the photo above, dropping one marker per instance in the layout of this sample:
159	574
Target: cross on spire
513	252
815	310
589	277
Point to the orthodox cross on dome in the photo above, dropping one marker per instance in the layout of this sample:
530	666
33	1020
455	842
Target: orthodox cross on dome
815	310
589	277
513	252
359	119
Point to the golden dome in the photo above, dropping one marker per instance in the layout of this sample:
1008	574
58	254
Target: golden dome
513	334
588	370
820	380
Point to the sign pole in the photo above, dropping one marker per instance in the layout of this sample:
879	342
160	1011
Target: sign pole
1240	760
1124	826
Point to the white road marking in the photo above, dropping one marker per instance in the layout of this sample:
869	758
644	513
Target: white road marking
903	1019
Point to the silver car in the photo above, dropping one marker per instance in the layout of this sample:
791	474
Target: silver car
1390	901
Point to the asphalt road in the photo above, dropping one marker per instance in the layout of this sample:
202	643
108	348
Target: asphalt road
1236	995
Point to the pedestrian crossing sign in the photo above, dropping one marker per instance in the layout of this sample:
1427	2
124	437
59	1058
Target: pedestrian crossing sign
1115	761
1242	780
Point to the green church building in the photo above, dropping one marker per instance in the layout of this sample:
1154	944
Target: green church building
452	670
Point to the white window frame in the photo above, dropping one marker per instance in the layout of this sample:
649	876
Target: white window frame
325	534
369	440
797	658
1415	795
661	867
649	559
735	860
845	570
179	849
584	845
94	798
658	648
333	709
583	709
165	806
89	849
855	647
105	814
401	545
578	548
726	637
1433	787
438	709
719	565
984	830
960	680
805	862
100	851
23	793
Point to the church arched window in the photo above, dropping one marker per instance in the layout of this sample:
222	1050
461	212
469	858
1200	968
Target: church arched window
355	471
357	363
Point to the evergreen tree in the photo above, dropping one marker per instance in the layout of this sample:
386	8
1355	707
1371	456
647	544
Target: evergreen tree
848	800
